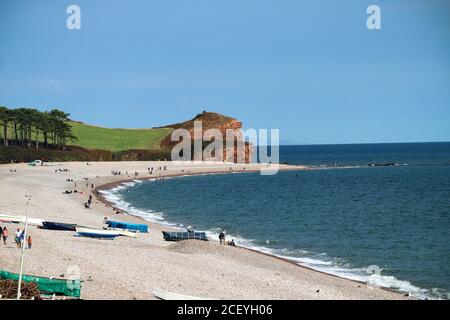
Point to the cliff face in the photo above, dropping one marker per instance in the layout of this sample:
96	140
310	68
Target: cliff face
211	120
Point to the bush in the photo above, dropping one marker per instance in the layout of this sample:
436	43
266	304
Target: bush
73	153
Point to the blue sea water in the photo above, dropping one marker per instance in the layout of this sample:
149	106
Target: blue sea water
344	217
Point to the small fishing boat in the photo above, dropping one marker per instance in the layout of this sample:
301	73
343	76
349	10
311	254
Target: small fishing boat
184	235
125	233
166	295
140	227
97	233
59	226
65	287
20	219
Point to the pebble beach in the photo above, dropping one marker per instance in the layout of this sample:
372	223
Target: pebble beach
129	268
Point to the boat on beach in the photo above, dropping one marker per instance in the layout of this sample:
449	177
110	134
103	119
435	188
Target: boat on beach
184	235
125	233
97	233
166	295
65	287
21	219
139	227
59	226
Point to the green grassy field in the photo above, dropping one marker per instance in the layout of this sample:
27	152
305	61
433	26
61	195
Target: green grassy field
117	139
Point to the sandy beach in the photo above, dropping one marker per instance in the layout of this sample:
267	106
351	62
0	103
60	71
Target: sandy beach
128	268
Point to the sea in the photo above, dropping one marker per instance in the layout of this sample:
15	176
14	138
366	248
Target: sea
377	213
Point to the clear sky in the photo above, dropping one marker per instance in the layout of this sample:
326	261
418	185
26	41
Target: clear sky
310	68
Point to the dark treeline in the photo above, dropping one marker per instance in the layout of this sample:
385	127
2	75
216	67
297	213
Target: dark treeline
29	127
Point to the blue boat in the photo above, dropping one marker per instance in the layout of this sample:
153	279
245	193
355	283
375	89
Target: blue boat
128	226
186	235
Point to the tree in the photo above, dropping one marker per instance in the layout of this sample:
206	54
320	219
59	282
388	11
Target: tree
5	117
45	127
28	125
38	123
61	130
15	117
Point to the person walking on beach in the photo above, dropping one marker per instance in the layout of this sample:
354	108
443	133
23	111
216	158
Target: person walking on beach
222	237
30	242
17	238
22	239
5	234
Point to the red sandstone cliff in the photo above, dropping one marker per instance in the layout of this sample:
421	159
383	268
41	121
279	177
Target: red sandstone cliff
211	120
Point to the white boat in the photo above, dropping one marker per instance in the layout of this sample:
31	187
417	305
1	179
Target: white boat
97	233
125	233
20	219
166	295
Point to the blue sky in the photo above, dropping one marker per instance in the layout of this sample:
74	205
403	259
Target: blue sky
310	68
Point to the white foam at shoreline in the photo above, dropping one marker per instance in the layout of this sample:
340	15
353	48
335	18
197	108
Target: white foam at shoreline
329	266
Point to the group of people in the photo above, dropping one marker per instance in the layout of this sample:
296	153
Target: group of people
136	174
222	240
117	211
163	168
19	237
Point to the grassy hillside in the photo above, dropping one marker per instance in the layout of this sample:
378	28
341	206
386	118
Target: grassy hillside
117	139
100	144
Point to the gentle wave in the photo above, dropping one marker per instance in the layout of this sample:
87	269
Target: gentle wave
333	266
317	261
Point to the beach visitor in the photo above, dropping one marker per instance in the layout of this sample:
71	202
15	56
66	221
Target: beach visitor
30	242
17	238
5	234
21	239
222	238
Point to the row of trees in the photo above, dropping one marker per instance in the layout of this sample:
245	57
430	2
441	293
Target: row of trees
25	126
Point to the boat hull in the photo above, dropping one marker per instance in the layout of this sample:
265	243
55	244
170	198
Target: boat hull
140	227
59	226
166	295
21	219
97	233
125	233
180	236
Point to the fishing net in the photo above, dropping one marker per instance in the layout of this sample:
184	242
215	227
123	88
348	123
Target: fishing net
8	290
